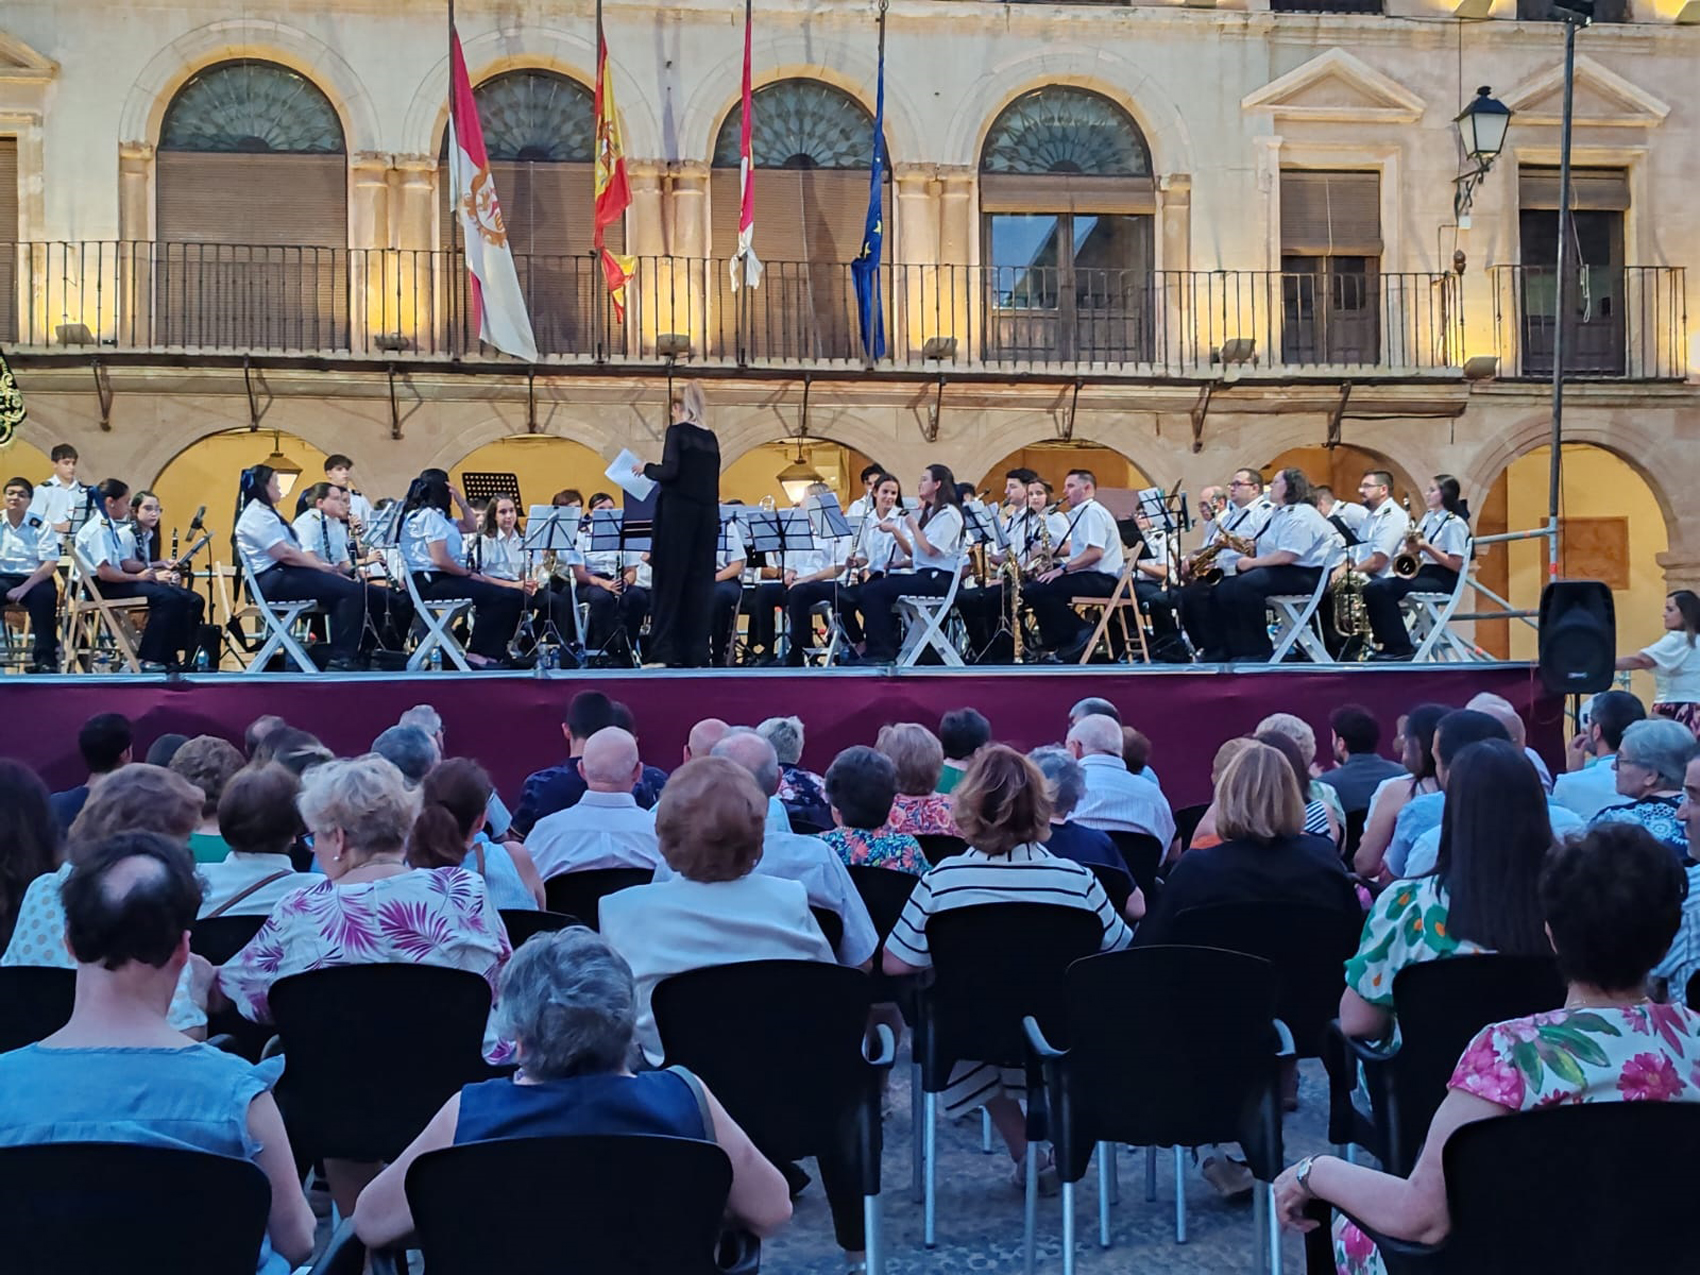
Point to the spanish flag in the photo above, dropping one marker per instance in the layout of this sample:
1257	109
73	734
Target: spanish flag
613	190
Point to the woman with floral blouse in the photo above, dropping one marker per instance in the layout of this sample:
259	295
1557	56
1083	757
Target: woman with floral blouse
1612	901
860	786
918	759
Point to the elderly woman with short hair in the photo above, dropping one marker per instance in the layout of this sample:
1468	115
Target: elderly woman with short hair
1650	764
209	763
1065	783
569	1005
801	791
918	757
860	786
256	816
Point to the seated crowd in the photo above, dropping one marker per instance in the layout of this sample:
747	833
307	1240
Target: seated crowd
404	855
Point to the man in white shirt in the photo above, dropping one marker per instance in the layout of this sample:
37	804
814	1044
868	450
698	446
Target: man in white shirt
808	860
1115	800
61	495
1348	519
1092	565
606	828
1381	533
1590	785
1291	554
29	553
1247	514
870	476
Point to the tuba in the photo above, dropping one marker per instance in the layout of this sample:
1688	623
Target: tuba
1409	560
1351	615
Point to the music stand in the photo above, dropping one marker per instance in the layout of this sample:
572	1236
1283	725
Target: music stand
488	486
551	529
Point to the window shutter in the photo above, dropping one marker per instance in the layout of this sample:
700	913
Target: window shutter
1327	214
1591	189
299	200
8	239
1066	192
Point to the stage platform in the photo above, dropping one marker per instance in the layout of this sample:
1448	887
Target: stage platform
511	721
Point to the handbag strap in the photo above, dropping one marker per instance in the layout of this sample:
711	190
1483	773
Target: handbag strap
255	888
701	1095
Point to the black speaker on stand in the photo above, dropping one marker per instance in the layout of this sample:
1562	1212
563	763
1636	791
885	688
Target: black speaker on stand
1578	637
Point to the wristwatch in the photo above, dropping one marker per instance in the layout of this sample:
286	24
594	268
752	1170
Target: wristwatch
1302	1174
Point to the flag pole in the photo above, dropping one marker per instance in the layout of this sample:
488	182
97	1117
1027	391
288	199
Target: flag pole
457	288
600	294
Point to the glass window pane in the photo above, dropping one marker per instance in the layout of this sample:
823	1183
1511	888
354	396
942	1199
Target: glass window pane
1023	251
1112	258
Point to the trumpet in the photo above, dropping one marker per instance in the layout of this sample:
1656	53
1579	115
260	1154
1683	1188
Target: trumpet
1202	567
1408	561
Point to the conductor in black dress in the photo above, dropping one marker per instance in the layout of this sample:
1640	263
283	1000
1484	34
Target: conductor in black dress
687	529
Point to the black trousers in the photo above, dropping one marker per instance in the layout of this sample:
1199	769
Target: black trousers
681	560
879	606
344	598
1059	623
495	610
42	603
1196	605
982	610
1241	606
1382	598
551	606
761	603
726	596
1157	601
174	617
612	613
800	601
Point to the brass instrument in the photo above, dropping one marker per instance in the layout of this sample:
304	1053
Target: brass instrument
1409	560
1010	573
1046	559
1201	566
1351	615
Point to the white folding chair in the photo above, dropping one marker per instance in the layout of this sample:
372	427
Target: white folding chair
437	615
1430	621
1295	618
279	620
89	617
924	620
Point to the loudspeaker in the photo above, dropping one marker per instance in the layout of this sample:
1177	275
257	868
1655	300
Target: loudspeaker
1578	637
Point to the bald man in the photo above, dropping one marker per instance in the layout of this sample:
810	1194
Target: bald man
1115	800
605	828
704	736
1499	708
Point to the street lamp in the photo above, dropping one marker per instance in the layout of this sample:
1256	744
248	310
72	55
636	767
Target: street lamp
797	477
287	471
1482	126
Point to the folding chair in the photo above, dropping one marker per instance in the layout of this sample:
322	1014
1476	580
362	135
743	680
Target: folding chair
1118	604
89	616
1431	621
924	619
1295	618
16	637
437	615
279	618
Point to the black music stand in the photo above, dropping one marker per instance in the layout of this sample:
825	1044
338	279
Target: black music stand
552	529
488	486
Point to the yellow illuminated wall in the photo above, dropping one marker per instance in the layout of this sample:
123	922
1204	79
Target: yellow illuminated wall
756	473
207	473
544	465
19	459
1052	461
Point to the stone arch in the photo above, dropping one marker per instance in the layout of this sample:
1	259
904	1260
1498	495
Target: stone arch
1346	465
210	477
833	93
453	449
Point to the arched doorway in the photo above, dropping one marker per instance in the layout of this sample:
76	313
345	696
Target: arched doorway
1342	468
251	185
207	471
1612	529
543	464
757	472
1052	461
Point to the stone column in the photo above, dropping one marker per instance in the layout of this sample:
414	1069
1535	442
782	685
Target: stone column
414	273
921	309
687	243
373	305
657	303
135	230
958	307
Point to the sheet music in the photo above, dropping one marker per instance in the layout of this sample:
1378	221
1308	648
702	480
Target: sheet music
620	474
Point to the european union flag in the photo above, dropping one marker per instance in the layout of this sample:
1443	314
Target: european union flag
865	270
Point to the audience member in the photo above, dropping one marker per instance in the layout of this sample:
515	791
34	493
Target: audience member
118	1071
209	763
1319	820
716	908
1682	962
257	731
1093	706
1651	761
1065	783
1611	900
861	785
1590	785
1115	801
800	790
919	809
29	839
454	801
163	749
654	778
1500	708
1136	753
296	751
1391	796
605	827
1455	731
555	788
1005	817
498	819
256	819
410	750
1299	731
963	732
104	742
1358	770
1481	896
703	737
569	1005
1205	835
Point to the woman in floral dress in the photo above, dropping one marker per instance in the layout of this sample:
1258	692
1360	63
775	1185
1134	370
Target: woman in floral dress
860	786
1612	901
918	809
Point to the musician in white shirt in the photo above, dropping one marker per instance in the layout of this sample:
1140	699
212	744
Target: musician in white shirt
832	555
1092	565
1381	533
61	495
432	551
109	547
1291	553
933	540
606	583
1155	572
499	553
729	559
339	473
870	476
1246	515
1443	535
1348	518
321	526
874	554
29	552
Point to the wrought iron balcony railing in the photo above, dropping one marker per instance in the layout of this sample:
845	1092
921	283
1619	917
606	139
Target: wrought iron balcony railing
391	305
1625	322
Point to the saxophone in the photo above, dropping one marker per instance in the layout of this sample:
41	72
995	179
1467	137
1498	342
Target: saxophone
1409	560
1045	560
1011	573
1202	567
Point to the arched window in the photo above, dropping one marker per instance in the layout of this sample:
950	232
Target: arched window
813	145
251	191
1067	205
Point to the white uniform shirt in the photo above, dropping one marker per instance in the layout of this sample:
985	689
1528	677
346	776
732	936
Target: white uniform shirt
858	507
360	508
1352	516
1157	552
1027	538
258	529
1447	532
944	532
1094	527
422	529
502	555
602	562
880	548
323	536
1383	531
25	547
103	543
734	550
53	501
1299	529
1247	522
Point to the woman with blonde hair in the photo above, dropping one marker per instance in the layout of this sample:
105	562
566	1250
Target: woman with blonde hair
687	530
918	809
1205	834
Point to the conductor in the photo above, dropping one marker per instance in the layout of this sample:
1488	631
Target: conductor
687	528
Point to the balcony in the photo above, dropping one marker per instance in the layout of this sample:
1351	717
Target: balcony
1626	323
383	305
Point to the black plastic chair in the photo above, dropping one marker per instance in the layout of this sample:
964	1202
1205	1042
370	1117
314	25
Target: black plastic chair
1691	994
1440	1006
938	846
580	894
831	925
885	892
219	938
627	1205
781	1045
1499	1178
994	965
1143	855
1187	819
1168	1046
118	1206
374	1051
1354	833
1117	885
803	824
522	923
1307	945
35	1002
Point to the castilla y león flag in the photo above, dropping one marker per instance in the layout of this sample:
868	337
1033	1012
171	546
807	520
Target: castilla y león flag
496	298
613	190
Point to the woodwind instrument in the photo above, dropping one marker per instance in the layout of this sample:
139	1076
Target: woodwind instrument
1409	560
1202	567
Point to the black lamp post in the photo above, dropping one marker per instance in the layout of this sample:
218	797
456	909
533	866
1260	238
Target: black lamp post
1482	126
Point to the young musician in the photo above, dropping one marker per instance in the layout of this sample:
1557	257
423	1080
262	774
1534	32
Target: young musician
433	551
1093	545
608	588
1292	551
818	583
29	552
933	541
500	555
321	526
870	478
61	495
339	472
1442	537
286	572
728	590
873	556
1246	514
109	546
145	513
